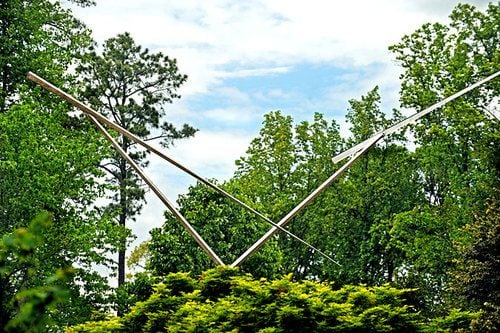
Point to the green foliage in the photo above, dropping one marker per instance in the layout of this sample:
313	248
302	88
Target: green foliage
131	292
39	36
227	227
48	161
397	214
476	279
225	300
455	321
29	309
455	146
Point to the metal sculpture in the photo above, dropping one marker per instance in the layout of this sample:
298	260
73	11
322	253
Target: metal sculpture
354	153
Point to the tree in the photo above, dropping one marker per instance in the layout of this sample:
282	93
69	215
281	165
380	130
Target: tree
476	278
455	146
48	159
281	167
38	36
267	169
28	309
131	86
48	162
227	227
380	185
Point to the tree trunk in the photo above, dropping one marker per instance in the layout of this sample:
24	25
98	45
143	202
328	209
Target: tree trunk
121	254
122	217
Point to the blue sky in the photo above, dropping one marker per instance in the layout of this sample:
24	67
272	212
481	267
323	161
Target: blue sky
246	58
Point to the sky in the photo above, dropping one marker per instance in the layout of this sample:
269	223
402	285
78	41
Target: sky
246	58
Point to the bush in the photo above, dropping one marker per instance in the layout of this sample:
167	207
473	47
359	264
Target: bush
224	300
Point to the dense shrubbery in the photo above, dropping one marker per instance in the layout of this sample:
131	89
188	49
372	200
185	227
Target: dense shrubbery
225	300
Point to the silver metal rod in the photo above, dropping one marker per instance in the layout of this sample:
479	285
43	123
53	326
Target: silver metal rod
159	194
120	150
257	245
93	114
414	117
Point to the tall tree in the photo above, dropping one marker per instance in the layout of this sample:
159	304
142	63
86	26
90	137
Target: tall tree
456	146
131	86
457	142
381	184
283	164
48	158
48	162
476	278
266	170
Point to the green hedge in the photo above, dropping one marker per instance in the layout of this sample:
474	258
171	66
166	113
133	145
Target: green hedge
223	300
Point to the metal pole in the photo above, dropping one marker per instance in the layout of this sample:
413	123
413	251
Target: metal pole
414	117
93	114
160	195
257	245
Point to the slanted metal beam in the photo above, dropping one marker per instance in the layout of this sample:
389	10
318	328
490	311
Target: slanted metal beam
257	245
355	152
414	117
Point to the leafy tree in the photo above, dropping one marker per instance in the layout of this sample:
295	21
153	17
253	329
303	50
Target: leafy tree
136	290
281	167
477	278
455	146
226	227
39	36
131	86
380	185
48	162
28	309
48	159
315	143
456	143
267	169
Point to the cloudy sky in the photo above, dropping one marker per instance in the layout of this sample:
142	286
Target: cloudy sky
245	58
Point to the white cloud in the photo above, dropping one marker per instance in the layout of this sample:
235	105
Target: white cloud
237	115
255	72
268	34
213	153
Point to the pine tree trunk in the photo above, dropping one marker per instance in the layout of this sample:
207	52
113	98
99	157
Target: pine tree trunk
122	217
121	255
